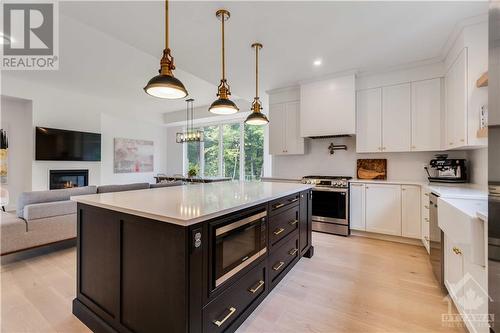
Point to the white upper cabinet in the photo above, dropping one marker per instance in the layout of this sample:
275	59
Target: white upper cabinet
396	118
467	60
369	120
410	210
327	107
383	209
456	102
284	136
400	118
426	111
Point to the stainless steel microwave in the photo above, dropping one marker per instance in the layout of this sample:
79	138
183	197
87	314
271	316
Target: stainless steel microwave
237	244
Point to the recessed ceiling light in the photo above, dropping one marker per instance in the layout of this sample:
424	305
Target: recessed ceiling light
317	62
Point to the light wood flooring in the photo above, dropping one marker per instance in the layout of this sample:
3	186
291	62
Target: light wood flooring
351	285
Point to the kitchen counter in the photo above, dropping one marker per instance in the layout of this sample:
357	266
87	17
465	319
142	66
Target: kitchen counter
189	204
457	191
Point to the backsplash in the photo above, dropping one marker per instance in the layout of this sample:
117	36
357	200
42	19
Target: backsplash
400	166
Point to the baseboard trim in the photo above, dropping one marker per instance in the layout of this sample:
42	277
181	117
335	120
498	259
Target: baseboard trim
390	238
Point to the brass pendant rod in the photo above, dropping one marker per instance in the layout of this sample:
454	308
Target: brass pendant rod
223	50
257	72
166	24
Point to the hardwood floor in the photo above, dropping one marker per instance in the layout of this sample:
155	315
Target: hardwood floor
351	284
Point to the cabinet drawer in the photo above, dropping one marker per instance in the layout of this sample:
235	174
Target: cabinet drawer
282	204
226	308
282	225
283	257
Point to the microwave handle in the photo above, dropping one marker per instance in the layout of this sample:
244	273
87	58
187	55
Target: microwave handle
239	223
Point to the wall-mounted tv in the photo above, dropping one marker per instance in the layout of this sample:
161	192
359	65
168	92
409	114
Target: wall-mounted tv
61	145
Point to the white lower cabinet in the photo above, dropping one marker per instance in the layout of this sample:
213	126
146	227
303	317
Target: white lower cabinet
425	218
357	206
389	209
383	209
410	211
467	285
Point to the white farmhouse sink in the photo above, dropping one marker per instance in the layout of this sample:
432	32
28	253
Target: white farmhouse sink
458	218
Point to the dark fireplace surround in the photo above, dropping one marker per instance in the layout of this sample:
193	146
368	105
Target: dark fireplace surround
59	179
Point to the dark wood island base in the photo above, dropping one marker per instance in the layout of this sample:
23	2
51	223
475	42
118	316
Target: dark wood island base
141	275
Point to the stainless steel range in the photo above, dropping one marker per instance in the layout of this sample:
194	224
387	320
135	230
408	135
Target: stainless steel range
330	204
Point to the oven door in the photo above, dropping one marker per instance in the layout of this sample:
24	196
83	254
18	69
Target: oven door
330	205
237	245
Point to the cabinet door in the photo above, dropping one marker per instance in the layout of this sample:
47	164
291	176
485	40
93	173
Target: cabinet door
426	110
294	144
277	117
424	211
456	102
383	209
304	221
396	118
357	206
410	211
369	120
453	270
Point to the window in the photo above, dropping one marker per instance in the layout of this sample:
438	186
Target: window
233	150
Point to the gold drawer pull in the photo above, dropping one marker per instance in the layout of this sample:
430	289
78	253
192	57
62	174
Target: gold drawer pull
278	266
426	207
426	238
426	219
293	200
294	222
278	205
254	289
426	194
278	231
219	323
292	252
457	250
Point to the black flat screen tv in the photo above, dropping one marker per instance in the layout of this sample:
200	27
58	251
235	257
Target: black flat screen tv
61	145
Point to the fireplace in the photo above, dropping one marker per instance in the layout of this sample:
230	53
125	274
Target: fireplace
68	178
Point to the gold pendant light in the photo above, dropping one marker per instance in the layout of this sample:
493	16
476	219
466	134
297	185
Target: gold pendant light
223	105
166	85
256	117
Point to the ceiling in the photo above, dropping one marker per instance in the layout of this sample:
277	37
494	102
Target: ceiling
345	35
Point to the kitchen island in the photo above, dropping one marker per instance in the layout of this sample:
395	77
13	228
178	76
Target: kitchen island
197	258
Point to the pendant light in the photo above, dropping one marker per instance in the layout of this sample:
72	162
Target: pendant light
166	85
256	117
190	135
223	105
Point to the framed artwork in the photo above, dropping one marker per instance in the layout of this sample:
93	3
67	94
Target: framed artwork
132	155
4	155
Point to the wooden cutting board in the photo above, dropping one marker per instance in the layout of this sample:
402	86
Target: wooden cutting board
372	169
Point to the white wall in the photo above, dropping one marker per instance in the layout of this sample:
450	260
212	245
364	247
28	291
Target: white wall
318	161
113	127
16	118
174	160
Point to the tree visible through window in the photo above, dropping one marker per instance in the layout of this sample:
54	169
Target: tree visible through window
226	161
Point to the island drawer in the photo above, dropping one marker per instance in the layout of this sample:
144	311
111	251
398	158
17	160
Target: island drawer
283	224
220	313
282	204
283	257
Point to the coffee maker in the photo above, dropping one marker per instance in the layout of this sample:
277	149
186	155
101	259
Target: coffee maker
447	170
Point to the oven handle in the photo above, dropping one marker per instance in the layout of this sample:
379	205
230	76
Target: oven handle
329	189
240	223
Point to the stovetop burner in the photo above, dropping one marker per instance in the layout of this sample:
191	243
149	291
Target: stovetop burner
327	181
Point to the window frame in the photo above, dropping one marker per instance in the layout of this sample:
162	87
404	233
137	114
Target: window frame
220	125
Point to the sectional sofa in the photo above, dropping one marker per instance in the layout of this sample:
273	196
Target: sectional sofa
46	217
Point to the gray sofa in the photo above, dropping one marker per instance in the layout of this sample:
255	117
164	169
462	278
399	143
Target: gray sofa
45	217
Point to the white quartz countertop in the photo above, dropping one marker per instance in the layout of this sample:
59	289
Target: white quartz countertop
189	204
389	182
